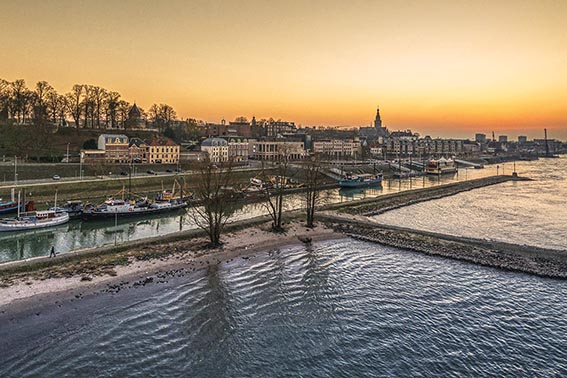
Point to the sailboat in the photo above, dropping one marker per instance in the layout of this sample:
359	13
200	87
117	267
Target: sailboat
11	206
35	219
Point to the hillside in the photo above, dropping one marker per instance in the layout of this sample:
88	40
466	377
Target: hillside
47	145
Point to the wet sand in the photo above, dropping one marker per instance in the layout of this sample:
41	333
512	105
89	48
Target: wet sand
182	257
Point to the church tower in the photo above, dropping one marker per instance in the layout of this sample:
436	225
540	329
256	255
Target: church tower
378	120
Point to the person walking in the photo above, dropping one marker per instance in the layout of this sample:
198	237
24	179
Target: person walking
52	253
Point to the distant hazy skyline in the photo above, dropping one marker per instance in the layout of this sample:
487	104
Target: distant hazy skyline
447	68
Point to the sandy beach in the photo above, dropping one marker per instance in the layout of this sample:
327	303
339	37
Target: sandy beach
179	257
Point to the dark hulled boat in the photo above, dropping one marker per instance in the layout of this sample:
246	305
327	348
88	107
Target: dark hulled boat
120	208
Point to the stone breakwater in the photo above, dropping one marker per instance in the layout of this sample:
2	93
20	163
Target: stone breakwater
379	205
533	260
351	219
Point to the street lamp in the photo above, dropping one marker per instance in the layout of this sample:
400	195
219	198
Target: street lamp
68	153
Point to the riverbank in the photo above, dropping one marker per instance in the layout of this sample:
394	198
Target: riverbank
110	269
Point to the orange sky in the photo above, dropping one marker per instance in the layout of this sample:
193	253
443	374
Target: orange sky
448	68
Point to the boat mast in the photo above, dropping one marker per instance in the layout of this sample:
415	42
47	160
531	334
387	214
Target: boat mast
19	203
546	144
129	179
411	160
400	161
55	205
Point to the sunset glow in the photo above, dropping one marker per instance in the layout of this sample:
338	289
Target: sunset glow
449	68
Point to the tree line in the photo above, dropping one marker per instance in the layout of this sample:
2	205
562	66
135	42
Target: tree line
88	106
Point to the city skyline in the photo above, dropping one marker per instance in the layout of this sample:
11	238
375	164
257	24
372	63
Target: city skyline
438	68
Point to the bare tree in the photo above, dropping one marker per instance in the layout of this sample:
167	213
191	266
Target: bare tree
274	187
87	104
216	202
4	99
55	107
111	103
62	109
312	186
40	97
42	91
20	99
98	99
122	112
154	114
73	102
161	115
168	114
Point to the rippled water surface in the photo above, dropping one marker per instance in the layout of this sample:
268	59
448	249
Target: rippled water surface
337	309
532	213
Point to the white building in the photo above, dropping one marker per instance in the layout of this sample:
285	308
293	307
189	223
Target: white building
217	148
337	148
275	150
376	151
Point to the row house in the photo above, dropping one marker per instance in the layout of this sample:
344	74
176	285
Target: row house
238	149
118	148
404	143
400	143
138	150
439	146
163	151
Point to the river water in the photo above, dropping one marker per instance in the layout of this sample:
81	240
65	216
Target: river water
341	308
77	234
531	213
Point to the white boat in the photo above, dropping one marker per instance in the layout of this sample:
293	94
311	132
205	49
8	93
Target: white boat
254	181
34	220
441	166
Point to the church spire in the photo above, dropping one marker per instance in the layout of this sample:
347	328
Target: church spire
378	120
